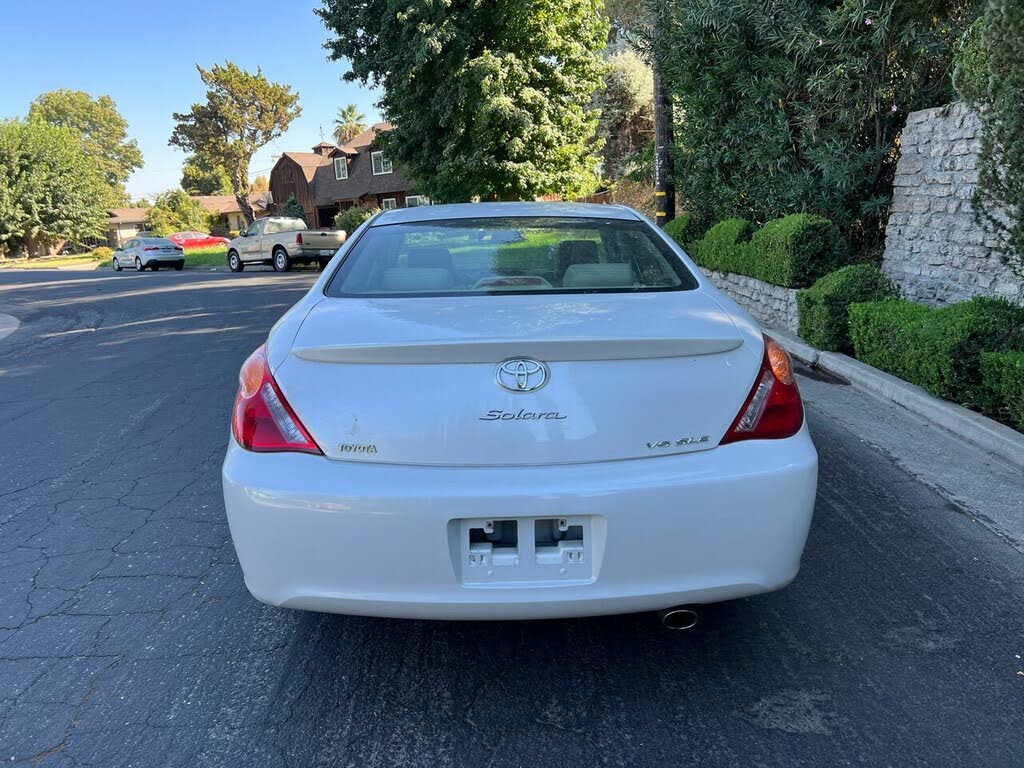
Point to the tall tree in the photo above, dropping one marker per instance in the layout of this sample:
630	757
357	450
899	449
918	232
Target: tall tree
259	184
796	105
176	211
491	103
999	202
50	190
349	123
242	113
202	176
103	132
626	123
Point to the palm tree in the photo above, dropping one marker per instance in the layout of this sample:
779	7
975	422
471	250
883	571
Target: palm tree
348	124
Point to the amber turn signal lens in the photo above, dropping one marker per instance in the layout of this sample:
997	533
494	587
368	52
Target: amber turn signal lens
251	376
778	359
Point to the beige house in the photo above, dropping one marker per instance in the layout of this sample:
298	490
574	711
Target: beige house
227	215
125	223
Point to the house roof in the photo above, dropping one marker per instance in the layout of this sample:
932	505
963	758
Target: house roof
308	162
366	138
222	204
361	180
127	215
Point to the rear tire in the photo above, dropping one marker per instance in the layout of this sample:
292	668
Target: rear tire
281	261
321	266
179	266
117	265
234	263
155	267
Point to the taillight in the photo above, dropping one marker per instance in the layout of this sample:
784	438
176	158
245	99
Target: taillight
298	239
151	248
773	408
262	419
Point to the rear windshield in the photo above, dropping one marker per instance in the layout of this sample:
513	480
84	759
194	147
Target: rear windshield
509	255
284	225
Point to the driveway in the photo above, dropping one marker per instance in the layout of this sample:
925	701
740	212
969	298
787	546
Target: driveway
127	637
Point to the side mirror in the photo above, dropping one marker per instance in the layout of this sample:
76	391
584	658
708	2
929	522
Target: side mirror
244	233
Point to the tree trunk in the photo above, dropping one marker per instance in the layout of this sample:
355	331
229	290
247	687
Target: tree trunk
240	181
664	170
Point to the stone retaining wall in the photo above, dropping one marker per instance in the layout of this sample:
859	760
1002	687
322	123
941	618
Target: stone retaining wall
770	305
934	249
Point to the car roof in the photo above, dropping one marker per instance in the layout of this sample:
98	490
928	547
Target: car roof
503	210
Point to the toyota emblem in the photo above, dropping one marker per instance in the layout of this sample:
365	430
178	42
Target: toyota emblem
521	375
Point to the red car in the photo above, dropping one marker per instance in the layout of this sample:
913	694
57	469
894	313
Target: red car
189	240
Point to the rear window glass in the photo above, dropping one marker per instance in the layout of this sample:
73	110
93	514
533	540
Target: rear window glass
509	255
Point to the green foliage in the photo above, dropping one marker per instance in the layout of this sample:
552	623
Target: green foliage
794	106
350	219
970	64
824	307
292	209
1002	376
938	349
202	176
487	102
49	189
686	230
349	123
999	200
103	253
102	129
626	122
242	112
175	211
792	252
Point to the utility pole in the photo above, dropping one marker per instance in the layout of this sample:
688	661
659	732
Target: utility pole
664	168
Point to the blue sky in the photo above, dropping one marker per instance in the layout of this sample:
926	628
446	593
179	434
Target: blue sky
143	54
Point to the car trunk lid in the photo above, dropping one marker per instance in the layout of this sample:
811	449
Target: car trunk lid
419	380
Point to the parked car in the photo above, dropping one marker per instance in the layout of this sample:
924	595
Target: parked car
152	252
282	242
189	240
567	419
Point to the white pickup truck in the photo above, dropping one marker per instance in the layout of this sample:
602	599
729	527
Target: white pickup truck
282	242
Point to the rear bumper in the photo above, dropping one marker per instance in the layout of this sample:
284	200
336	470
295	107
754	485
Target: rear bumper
383	540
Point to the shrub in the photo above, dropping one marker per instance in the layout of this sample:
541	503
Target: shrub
350	219
685	230
1002	375
824	308
292	209
103	253
724	247
791	252
938	349
970	63
233	233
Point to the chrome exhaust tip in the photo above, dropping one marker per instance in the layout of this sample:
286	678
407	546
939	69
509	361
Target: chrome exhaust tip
679	617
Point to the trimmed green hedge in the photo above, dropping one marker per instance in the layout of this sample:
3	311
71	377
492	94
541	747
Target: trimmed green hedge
938	349
685	230
1002	375
824	308
791	252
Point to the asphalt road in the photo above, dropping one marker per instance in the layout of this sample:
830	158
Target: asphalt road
128	638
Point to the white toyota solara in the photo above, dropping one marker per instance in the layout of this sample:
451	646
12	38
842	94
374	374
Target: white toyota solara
516	411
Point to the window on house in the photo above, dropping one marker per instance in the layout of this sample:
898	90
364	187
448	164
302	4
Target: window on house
388	203
413	201
341	168
381	165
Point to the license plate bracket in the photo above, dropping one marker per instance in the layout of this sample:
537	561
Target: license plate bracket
526	551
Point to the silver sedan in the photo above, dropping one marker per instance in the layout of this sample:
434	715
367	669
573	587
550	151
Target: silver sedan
152	252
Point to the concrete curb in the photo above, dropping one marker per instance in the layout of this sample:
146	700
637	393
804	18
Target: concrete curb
987	434
8	325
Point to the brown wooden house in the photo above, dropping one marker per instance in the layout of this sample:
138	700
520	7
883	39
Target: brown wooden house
332	178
